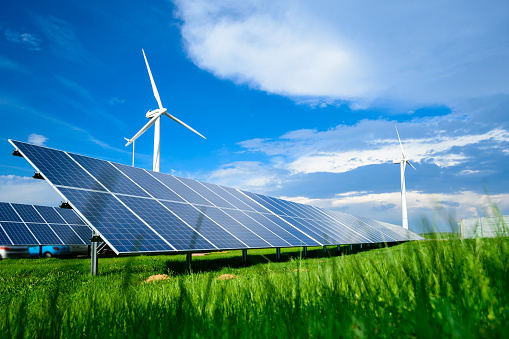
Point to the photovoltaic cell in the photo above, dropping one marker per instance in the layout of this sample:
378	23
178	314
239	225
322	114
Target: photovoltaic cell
70	216
199	188
46	236
27	213
258	229
19	233
83	232
7	213
109	176
120	228
179	188
136	210
50	215
4	240
58	167
165	223
241	232
195	217
150	184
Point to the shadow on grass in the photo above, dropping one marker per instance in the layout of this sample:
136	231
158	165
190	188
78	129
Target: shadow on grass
211	263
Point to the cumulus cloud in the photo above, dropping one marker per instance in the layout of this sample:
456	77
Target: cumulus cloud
417	53
27	190
30	41
333	151
37	139
249	175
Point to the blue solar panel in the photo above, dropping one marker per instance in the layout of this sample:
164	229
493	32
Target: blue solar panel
179	188
7	213
4	239
195	217
27	213
168	225
109	176
119	228
150	184
136	210
19	233
58	167
83	232
70	216
202	190
68	236
45	235
40	226
50	215
241	232
246	200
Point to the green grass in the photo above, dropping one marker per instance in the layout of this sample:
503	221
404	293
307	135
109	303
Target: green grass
424	289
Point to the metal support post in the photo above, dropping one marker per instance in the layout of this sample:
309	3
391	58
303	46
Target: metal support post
324	249
338	250
278	253
94	262
244	256
189	256
305	251
351	248
361	247
40	251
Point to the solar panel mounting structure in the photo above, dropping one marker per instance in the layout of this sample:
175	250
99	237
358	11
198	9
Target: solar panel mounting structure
134	210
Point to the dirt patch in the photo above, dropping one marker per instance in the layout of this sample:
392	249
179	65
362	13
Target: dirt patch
157	277
302	269
200	254
227	277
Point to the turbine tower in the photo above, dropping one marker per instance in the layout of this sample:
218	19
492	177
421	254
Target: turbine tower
402	162
154	117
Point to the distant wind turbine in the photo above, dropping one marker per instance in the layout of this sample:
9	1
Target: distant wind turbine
154	117
403	163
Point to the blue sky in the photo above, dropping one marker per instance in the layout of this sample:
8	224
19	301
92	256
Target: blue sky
297	100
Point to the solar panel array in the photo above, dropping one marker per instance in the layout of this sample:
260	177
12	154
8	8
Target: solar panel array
41	225
136	210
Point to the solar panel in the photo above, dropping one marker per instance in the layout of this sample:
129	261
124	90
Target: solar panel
22	224
136	210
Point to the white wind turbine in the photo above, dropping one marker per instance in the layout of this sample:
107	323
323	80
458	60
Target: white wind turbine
154	117
403	163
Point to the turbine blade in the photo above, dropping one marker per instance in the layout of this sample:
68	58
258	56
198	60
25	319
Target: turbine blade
183	124
144	128
408	162
402	152
154	88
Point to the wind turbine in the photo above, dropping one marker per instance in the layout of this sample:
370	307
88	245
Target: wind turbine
154	117
402	162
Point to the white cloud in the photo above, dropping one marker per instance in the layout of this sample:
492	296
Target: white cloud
26	190
249	175
417	53
28	40
37	139
312	151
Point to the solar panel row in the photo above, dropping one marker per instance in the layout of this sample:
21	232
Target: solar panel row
136	210
41	225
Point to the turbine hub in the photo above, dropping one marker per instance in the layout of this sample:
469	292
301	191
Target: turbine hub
151	114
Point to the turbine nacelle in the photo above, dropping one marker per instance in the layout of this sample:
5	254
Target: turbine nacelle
153	113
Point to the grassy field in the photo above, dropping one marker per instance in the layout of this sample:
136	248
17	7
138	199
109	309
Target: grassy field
447	288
